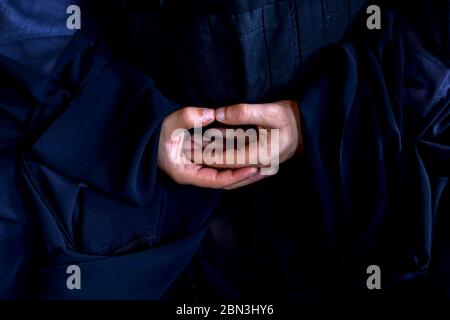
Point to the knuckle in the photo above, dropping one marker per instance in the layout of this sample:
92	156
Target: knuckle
279	113
242	112
215	183
273	109
186	114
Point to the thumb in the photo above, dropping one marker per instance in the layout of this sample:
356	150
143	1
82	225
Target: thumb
189	117
245	114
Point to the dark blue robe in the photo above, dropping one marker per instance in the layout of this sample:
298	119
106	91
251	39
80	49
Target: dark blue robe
80	185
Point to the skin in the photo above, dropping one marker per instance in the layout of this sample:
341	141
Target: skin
283	115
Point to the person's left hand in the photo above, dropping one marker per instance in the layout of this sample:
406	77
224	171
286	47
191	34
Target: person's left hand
282	115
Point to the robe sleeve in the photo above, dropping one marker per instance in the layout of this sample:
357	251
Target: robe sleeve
84	186
103	130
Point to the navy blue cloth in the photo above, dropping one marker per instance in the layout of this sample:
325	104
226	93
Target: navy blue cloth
80	185
375	126
34	33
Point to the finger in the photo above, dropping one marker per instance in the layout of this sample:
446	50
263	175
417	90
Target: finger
256	178
197	140
193	148
205	177
257	153
248	156
266	115
190	117
234	158
237	141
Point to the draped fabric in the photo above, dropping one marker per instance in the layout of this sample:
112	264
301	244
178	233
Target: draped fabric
80	182
34	34
375	124
79	131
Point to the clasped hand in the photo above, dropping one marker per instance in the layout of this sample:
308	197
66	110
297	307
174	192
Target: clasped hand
175	154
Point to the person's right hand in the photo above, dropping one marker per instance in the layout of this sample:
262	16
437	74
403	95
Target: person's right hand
172	160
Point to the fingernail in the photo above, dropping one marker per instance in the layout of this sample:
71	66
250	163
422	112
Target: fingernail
220	114
208	114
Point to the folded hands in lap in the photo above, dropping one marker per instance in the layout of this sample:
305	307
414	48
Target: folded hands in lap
270	134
